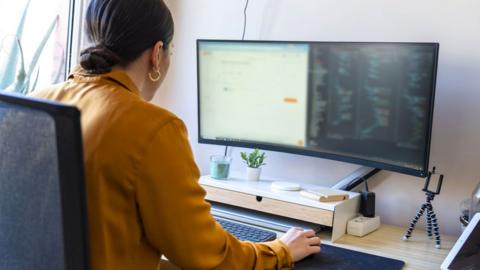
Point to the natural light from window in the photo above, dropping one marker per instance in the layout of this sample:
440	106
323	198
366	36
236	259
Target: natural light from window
41	14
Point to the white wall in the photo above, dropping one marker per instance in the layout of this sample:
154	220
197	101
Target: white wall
454	24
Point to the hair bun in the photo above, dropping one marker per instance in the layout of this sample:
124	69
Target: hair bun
98	59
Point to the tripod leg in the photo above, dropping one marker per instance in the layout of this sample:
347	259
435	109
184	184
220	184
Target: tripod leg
428	217
414	222
435	228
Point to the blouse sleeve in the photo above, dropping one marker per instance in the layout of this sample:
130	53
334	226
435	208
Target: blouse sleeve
177	219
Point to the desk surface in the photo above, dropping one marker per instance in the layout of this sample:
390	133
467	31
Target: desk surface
417	253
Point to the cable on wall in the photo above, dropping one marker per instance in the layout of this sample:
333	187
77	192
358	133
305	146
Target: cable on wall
243	38
245	19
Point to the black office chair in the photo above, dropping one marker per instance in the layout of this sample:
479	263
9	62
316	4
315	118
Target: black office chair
43	216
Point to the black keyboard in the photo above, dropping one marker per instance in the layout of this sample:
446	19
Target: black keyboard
245	232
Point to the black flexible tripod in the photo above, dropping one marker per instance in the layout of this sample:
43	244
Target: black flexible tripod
431	217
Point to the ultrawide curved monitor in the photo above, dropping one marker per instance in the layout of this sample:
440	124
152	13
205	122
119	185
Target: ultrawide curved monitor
360	102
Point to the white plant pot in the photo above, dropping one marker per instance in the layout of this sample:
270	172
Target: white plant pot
253	174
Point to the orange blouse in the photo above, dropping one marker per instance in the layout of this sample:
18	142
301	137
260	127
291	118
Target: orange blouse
143	195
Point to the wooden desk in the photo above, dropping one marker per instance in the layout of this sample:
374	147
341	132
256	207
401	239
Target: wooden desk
417	253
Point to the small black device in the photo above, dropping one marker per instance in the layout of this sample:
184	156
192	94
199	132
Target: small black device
245	232
427	208
367	203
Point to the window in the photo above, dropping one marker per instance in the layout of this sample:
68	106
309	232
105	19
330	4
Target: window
39	17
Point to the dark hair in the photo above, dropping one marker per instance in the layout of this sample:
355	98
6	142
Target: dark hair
121	30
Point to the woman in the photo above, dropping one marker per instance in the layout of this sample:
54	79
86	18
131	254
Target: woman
142	192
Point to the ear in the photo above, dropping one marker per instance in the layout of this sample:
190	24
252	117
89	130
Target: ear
157	52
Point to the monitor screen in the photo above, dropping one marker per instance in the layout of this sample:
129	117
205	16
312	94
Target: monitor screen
364	103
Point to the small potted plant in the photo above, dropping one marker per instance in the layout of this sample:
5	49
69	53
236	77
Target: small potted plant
254	162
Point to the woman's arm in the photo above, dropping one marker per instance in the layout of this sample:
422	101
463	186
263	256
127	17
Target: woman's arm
177	219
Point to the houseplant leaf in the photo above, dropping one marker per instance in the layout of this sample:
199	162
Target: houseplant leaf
34	84
8	69
39	51
19	83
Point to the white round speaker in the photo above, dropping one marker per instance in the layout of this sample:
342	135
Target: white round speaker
286	186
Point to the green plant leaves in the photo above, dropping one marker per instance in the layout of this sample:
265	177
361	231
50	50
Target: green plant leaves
21	75
38	53
8	69
22	80
254	159
244	156
18	79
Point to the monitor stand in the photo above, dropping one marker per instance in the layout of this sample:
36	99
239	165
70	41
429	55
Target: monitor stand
347	183
260	196
355	178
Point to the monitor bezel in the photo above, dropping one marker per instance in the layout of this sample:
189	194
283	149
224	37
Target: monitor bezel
312	153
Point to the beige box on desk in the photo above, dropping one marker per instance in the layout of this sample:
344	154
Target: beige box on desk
324	195
259	196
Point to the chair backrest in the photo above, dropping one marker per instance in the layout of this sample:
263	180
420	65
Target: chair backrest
43	216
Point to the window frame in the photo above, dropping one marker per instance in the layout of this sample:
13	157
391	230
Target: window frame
75	33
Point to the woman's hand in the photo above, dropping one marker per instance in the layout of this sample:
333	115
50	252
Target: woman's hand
301	243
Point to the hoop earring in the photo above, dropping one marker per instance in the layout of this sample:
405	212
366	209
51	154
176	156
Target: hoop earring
158	75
